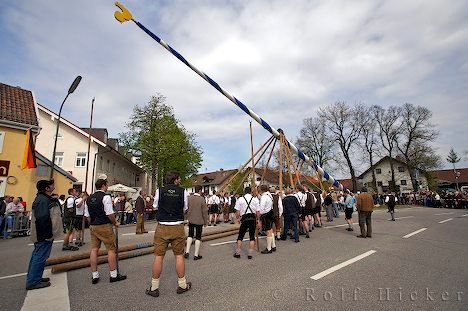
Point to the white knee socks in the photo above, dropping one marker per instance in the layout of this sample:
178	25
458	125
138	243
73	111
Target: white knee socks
269	242
189	243
197	247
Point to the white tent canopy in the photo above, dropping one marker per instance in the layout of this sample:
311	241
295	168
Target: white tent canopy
120	188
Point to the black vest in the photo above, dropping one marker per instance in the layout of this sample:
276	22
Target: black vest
309	201
96	209
171	204
70	212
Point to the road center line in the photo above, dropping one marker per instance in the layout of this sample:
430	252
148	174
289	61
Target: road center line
443	214
337	226
229	242
413	233
402	217
320	275
12	276
54	297
464	215
441	222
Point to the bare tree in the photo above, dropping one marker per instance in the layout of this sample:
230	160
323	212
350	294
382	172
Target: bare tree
369	141
315	140
414	138
389	129
345	124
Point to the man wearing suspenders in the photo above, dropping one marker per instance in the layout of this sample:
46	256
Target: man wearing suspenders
246	209
266	212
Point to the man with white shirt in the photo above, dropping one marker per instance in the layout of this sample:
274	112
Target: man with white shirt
301	197
69	219
171	202
213	209
100	213
13	209
277	212
266	214
391	201
246	209
80	206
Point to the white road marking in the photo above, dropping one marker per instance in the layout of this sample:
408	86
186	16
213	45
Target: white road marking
12	276
464	215
229	242
54	297
135	233
402	217
55	241
441	222
443	214
320	275
337	226
413	233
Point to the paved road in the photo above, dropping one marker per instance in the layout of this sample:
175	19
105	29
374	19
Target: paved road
426	270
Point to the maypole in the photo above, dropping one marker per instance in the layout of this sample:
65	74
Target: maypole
124	15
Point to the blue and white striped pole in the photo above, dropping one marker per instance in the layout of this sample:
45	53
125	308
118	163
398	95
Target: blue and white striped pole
125	16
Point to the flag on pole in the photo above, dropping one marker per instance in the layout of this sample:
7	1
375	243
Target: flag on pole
29	158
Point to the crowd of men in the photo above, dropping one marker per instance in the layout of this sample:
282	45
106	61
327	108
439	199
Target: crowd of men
441	199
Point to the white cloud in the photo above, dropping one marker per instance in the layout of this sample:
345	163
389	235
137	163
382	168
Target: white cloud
283	60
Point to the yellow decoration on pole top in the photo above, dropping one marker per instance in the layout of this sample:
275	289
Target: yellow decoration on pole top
123	16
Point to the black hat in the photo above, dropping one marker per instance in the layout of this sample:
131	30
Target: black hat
43	184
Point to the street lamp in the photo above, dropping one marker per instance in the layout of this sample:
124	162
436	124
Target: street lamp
70	90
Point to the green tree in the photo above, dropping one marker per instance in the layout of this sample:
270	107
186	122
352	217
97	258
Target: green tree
453	157
161	142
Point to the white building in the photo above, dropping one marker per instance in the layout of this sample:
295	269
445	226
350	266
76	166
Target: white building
72	153
383	176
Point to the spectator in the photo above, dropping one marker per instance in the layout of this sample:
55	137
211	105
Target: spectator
12	210
129	211
45	225
3	203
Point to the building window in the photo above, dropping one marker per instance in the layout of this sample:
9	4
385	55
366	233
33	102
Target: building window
80	159
401	169
59	159
378	171
42	170
379	184
403	182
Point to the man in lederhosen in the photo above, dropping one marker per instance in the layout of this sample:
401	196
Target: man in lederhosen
100	213
266	214
277	212
197	216
171	201
246	209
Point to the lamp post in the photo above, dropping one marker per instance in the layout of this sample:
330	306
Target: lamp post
70	90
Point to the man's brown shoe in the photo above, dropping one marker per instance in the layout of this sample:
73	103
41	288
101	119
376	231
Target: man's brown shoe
181	290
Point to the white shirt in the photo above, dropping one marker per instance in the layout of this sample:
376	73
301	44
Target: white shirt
242	203
107	201
302	197
387	198
79	210
14	208
156	202
266	203
437	197
213	199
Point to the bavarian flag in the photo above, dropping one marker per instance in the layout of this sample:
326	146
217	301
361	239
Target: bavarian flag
29	158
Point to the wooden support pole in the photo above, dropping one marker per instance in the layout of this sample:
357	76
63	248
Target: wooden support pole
268	161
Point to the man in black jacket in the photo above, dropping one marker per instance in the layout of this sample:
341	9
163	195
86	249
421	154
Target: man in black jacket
291	209
45	224
171	201
140	205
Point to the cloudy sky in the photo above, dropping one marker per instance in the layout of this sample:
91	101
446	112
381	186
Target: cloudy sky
283	59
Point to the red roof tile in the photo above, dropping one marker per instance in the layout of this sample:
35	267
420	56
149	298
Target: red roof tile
449	175
17	105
